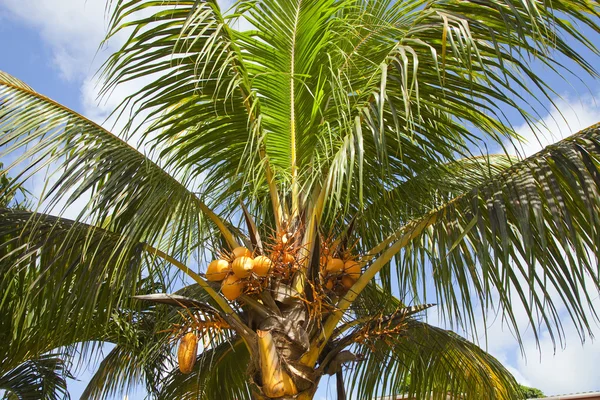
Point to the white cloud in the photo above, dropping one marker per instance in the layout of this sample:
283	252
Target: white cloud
569	116
72	28
573	369
554	371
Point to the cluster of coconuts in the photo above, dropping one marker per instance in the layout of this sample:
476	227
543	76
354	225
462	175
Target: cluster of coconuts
233	276
335	272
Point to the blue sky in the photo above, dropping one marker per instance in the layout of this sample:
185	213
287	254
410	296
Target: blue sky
53	46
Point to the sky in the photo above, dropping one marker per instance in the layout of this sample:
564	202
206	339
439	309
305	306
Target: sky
53	45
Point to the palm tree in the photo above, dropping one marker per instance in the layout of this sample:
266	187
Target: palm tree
43	376
344	142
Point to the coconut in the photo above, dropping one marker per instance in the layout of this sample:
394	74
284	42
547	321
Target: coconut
348	281
186	354
232	287
352	269
242	266
334	265
241	252
329	284
262	265
217	270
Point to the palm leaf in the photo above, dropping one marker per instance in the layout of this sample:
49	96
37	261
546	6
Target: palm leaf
421	194
435	362
198	96
509	243
40	378
142	353
417	75
61	281
395	354
86	159
216	374
14	81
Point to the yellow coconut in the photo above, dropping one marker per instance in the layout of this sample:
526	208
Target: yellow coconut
262	265
217	270
232	287
334	265
186	353
348	281
329	284
242	266
241	252
352	269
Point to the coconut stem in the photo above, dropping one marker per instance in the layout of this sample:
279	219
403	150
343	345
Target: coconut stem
276	382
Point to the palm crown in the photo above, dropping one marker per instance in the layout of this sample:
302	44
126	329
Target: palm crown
341	141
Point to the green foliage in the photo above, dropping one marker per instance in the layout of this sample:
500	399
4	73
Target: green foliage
10	198
41	378
531	393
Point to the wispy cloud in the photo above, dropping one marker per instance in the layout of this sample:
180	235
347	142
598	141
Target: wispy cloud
570	115
72	28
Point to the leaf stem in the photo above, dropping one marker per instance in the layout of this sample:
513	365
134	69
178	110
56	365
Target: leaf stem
409	232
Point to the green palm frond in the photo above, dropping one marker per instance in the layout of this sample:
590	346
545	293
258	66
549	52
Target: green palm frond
16	197
531	230
42	378
286	55
143	352
60	281
434	361
4	77
395	353
417	81
87	160
219	372
424	193
381	90
139	358
116	374
197	104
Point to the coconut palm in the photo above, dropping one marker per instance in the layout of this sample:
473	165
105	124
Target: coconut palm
318	178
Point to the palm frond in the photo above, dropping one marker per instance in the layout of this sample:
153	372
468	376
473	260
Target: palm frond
197	108
426	191
422	83
14	81
141	355
510	243
83	159
427	362
287	50
219	372
116	374
392	353
143	340
60	282
41	378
